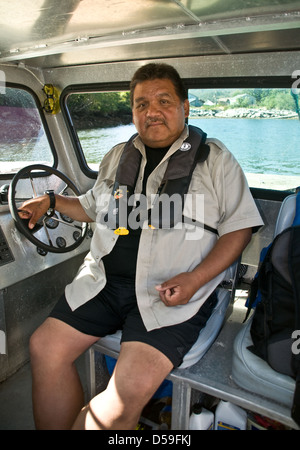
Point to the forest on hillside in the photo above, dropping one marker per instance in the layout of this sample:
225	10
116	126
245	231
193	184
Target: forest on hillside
104	109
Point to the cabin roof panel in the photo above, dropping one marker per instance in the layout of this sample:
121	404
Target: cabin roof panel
52	33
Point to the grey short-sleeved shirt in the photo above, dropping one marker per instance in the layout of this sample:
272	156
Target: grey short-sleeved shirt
218	195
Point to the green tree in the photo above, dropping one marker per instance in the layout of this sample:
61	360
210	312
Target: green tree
101	103
278	99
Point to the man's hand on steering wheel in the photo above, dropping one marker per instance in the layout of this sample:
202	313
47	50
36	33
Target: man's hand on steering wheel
34	209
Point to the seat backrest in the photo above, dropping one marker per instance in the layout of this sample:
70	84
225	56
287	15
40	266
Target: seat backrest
286	214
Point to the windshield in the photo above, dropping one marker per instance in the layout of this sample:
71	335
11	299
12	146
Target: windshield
23	140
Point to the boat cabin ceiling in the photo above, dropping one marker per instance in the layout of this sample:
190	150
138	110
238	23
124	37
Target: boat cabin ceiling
54	33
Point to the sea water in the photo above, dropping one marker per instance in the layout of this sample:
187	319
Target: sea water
260	145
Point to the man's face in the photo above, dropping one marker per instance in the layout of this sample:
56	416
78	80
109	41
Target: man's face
158	113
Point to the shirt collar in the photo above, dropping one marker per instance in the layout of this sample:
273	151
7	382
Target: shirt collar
138	143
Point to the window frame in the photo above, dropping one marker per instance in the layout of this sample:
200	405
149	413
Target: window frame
85	89
39	108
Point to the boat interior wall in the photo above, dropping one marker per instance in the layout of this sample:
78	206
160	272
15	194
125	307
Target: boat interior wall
26	303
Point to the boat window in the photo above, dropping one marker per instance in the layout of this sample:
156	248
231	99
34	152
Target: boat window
23	140
100	120
259	126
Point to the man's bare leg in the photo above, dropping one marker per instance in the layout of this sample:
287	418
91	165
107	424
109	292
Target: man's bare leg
57	392
139	371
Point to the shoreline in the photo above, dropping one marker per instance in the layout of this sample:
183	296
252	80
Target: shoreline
243	113
90	121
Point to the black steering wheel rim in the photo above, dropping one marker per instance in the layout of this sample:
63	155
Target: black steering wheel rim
21	225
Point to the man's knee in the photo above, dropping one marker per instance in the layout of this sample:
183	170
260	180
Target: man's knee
39	343
47	342
137	390
57	341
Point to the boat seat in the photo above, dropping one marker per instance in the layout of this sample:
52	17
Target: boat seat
248	370
254	374
110	345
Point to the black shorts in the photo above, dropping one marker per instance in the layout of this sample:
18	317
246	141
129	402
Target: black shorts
115	307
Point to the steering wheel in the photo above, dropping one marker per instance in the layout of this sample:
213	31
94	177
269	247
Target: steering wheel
56	234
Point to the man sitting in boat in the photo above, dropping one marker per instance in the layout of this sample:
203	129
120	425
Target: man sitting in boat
154	277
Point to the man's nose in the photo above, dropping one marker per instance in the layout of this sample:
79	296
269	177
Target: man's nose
153	110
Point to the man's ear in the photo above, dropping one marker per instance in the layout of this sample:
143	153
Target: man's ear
186	107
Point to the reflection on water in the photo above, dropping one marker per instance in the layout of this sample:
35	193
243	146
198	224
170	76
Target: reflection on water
34	149
22	137
97	142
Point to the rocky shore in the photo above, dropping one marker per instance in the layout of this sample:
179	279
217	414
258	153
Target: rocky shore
88	121
243	113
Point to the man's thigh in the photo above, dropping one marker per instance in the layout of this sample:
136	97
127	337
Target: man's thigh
173	341
56	339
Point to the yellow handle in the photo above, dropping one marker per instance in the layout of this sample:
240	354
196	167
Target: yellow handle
121	231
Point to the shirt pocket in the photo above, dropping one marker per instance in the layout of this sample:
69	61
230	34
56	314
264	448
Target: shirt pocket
193	208
202	203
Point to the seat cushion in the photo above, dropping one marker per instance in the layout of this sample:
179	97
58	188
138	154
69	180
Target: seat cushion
206	336
112	341
209	333
254	374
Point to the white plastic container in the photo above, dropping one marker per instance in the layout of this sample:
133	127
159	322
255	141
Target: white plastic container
201	418
230	417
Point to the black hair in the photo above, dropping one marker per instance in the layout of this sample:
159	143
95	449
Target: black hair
153	71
